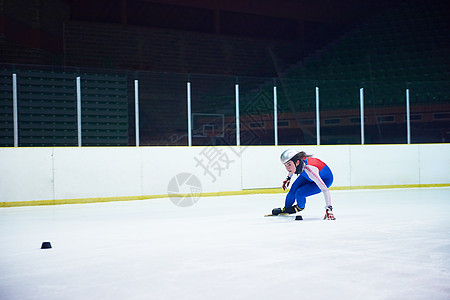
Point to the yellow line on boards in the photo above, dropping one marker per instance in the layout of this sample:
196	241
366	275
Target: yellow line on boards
209	194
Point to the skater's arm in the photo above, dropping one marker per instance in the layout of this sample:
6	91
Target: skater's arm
313	173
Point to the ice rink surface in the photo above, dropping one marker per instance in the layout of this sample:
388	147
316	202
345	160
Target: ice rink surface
384	244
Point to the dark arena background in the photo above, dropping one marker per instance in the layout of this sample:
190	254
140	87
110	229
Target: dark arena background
199	72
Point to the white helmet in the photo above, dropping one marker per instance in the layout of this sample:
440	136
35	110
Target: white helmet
287	155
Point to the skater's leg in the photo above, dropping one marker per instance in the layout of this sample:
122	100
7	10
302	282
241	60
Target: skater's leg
304	191
291	196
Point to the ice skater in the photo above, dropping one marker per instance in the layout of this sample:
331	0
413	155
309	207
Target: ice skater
314	176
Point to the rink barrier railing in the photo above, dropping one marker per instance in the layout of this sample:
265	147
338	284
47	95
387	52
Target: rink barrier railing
189	113
211	194
82	113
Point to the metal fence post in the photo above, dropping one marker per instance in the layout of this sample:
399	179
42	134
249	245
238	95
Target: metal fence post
79	110
275	113
408	119
136	110
189	114
317	116
361	102
15	111
238	130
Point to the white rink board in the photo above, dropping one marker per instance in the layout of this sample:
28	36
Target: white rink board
26	174
434	164
381	165
96	172
29	174
217	168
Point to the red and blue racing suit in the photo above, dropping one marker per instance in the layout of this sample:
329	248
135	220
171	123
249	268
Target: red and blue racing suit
315	178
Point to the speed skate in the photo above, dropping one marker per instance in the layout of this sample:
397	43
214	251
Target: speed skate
297	217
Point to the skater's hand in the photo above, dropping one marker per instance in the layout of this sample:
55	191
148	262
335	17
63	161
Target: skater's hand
286	183
328	213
